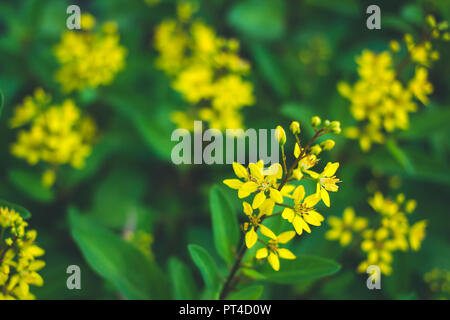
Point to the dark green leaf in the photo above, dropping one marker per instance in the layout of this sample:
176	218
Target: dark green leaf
24	213
30	183
260	19
399	155
207	266
248	293
183	286
134	275
304	268
224	224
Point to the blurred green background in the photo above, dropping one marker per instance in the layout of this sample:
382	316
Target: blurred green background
298	51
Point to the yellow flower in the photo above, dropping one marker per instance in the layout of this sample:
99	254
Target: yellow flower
251	236
379	250
57	134
257	179
342	228
303	212
272	252
326	181
280	134
89	59
205	69
295	127
417	234
18	263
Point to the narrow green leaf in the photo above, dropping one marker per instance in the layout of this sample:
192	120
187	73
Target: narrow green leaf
30	183
2	102
183	286
260	19
304	268
206	265
24	213
400	156
121	263
248	293
224	224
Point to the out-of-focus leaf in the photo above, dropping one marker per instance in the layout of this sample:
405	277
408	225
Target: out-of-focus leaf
134	275
30	183
259	19
412	13
343	7
304	268
224	223
248	293
183	286
301	113
270	69
2	102
399	155
24	213
427	122
207	267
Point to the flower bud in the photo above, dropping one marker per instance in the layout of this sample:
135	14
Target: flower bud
327	144
316	149
280	135
315	121
295	127
335	127
326	123
297	174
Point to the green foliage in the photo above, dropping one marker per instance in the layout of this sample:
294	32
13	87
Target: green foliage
224	224
183	286
134	275
304	268
29	182
24	213
248	293
207	266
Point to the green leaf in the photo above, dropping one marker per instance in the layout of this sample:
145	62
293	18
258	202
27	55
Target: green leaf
30	183
270	70
248	293
224	224
260	19
183	286
120	262
304	268
2	101
400	156
429	121
24	213
207	266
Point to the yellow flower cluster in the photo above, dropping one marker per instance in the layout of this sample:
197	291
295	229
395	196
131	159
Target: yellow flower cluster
205	69
18	253
55	134
393	231
273	186
89	58
380	102
439	282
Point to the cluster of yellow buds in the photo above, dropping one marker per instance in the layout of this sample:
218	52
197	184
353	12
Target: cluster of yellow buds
89	58
393	231
439	282
54	134
18	253
205	69
278	186
380	102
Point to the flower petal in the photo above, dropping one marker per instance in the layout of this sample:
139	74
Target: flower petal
240	170
325	197
258	200
274	261
299	194
262	253
251	237
267	232
286	254
247	188
233	183
286	236
247	208
288	214
276	195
